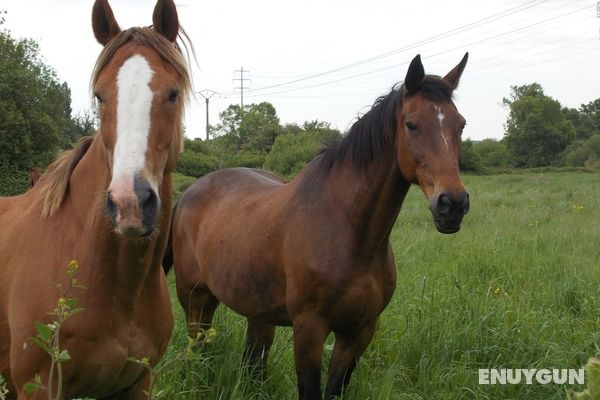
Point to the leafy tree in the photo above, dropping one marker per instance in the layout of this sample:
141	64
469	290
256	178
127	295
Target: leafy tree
591	114
583	125
83	124
537	129
292	128
245	136
316	125
253	128
34	107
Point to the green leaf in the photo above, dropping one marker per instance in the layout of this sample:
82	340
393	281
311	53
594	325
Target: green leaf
71	302
44	331
41	344
63	356
33	386
30	388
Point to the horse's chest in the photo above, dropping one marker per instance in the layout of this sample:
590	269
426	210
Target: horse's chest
102	354
358	302
105	368
349	298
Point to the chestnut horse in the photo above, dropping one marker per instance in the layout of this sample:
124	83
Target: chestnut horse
107	205
315	253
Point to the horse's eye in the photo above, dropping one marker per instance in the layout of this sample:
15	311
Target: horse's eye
173	96
98	98
411	127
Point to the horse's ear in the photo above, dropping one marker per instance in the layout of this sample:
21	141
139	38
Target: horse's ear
415	75
165	19
454	76
103	22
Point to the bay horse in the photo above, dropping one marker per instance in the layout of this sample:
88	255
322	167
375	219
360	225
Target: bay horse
107	205
315	253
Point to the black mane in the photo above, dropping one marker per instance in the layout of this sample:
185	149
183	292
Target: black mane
374	133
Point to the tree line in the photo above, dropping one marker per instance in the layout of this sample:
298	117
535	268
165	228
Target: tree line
253	136
36	123
35	113
539	132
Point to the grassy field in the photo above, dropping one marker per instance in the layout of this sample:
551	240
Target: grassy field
517	287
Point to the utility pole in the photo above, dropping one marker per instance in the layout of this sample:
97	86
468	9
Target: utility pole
207	94
242	86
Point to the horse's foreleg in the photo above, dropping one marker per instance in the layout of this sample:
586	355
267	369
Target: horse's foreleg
199	305
310	331
346	352
259	338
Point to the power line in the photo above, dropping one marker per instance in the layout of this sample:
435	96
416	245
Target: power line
562	57
521	32
451	32
446	50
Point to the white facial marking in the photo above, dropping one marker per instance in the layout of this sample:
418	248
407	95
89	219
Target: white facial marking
134	102
440	117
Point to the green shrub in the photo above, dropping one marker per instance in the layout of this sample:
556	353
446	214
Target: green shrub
248	159
13	181
180	184
585	154
470	161
291	152
196	164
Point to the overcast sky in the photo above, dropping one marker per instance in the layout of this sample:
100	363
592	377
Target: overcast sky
366	43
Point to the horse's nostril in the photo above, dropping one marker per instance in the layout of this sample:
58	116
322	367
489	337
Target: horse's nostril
465	203
444	204
147	200
452	204
144	196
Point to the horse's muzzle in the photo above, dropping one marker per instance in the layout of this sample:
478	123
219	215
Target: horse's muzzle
448	210
133	213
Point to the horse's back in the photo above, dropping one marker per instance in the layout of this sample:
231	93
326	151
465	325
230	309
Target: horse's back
229	182
230	196
229	191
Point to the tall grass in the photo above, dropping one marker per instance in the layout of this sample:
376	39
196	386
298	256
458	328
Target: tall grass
517	287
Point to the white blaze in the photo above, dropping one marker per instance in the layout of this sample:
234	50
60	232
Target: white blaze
440	117
134	103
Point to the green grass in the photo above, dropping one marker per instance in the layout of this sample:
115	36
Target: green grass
517	287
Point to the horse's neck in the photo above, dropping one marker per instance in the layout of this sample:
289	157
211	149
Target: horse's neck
370	199
127	262
87	187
